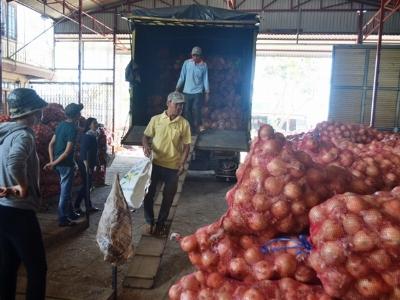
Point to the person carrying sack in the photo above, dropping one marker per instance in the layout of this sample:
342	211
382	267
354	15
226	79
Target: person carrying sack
170	138
20	233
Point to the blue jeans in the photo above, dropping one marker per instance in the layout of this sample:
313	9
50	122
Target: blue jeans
192	109
65	203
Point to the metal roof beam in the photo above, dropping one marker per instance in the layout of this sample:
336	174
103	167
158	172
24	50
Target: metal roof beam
389	8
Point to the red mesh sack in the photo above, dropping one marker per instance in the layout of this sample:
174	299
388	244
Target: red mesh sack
356	243
212	286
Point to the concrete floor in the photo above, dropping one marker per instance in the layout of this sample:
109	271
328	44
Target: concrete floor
78	264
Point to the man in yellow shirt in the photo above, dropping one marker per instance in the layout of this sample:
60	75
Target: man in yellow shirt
170	138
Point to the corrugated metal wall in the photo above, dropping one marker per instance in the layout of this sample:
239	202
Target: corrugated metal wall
278	17
352	82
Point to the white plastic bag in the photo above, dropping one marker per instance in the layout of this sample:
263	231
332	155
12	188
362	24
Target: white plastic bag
115	233
136	182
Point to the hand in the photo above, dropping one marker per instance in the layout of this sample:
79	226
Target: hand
3	192
181	169
18	191
147	151
206	97
49	166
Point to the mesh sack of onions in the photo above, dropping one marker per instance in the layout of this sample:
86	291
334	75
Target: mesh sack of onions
212	286
4	118
54	112
248	258
277	186
356	245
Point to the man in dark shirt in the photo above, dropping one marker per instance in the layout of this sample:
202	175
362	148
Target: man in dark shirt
61	153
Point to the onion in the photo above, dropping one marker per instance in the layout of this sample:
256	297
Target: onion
392	278
188	295
215	280
390	236
242	196
273	185
355	204
372	171
238	267
202	238
189	282
195	258
304	274
337	281
314	176
351	223
287	284
370	286
298	208
189	243
260	202
277	167
316	262
356	267
237	217
200	277
228	224
266	131
286	225
392	208
332	253
257	175
272	147
209	258
246	242
292	190
263	270
175	291
253	294
379	260
253	255
372	217
257	222
280	209
331	230
317	215
205	294
363	241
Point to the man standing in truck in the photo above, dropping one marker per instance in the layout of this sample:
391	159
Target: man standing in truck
167	137
194	80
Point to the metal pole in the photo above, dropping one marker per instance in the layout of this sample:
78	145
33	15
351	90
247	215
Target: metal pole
114	281
7	30
1	54
113	94
80	53
360	17
377	64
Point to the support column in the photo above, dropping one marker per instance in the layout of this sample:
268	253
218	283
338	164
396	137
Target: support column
1	54
80	48
360	19
377	65
114	59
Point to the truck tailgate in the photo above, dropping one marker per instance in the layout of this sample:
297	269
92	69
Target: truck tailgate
223	140
219	140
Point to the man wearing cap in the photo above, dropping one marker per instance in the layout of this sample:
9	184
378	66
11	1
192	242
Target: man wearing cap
61	153
170	138
20	233
194	79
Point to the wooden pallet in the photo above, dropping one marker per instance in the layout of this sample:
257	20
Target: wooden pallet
143	267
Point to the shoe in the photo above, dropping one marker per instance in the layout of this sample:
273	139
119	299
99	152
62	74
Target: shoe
74	216
93	209
66	223
148	229
161	230
79	211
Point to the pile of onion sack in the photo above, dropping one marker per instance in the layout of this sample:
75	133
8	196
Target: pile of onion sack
284	186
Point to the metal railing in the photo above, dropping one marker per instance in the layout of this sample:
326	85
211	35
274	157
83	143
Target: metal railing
96	97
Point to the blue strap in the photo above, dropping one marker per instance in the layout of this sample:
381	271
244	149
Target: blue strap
303	246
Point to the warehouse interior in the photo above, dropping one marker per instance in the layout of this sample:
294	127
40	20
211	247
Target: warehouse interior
323	74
